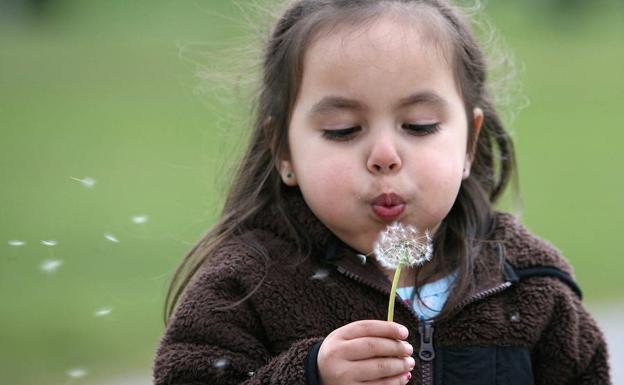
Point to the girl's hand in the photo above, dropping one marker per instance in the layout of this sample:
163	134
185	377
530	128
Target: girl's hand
368	351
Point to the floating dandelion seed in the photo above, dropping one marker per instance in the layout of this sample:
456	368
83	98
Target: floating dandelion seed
103	311
250	374
140	219
399	246
320	275
88	182
111	238
77	373
16	243
221	363
51	265
49	243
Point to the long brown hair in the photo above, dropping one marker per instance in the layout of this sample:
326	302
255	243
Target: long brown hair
257	183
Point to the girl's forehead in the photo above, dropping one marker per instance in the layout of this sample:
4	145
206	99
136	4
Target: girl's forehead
379	64
381	40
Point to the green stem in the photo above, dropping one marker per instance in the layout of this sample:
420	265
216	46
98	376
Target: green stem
395	283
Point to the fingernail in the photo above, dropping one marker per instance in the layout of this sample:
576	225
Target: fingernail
409	349
410	362
403	332
409	376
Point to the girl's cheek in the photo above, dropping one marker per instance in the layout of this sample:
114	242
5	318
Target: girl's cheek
443	165
335	176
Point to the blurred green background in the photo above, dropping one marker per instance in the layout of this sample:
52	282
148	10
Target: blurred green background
148	100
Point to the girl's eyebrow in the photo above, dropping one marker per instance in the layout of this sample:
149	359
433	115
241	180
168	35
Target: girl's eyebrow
332	103
430	98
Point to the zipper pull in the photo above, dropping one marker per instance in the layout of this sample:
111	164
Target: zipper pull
426	352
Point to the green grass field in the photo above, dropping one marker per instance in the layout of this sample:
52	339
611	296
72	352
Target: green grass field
109	91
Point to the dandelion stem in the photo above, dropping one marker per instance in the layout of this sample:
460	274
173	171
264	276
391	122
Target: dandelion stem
395	283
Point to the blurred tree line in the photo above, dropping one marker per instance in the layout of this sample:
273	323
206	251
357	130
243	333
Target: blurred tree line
23	9
37	9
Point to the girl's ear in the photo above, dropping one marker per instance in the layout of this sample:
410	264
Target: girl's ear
477	115
287	173
282	163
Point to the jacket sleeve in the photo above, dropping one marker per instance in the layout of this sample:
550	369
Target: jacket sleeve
572	349
216	336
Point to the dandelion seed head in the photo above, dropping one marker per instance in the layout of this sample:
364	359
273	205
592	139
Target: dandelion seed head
77	373
16	243
103	311
401	244
320	274
221	363
49	243
140	219
51	265
88	182
111	238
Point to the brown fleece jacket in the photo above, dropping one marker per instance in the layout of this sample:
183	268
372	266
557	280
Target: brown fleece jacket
534	330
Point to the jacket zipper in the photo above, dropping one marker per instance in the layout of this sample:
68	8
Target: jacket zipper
484	294
426	352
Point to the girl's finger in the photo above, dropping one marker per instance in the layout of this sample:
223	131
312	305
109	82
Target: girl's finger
401	379
370	347
378	368
373	328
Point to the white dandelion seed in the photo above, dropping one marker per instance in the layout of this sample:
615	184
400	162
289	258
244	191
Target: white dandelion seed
320	274
404	245
362	258
221	363
77	373
49	243
103	311
111	238
140	219
16	243
88	182
51	265
250	374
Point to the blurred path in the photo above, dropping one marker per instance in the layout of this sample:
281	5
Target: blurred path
610	318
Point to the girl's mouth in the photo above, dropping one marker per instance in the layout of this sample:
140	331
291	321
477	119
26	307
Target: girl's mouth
388	207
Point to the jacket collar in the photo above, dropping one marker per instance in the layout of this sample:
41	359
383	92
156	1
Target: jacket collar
510	241
491	272
355	265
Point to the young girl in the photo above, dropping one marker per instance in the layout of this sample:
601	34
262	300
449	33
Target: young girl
374	112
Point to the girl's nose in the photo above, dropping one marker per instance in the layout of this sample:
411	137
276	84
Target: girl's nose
384	157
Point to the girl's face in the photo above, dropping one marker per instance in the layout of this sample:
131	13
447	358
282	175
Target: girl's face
378	132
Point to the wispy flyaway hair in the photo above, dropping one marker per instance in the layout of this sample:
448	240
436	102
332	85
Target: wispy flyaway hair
257	183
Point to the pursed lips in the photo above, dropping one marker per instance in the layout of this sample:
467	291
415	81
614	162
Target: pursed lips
388	206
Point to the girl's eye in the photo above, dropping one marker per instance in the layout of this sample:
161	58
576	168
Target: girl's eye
342	133
421	129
